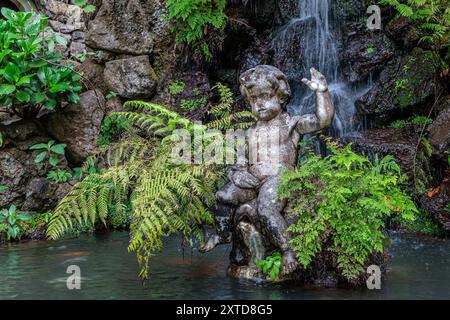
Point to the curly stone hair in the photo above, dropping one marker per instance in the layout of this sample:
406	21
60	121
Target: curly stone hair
265	74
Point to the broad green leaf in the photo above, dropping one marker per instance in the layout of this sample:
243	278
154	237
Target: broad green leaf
2	188
39	146
59	148
40	157
23	96
24	216
53	161
7	89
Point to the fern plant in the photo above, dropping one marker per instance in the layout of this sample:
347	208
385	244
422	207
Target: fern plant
341	201
194	20
164	198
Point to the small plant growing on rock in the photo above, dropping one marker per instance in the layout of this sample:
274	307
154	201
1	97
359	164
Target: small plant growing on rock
194	20
271	266
176	87
59	176
51	152
83	4
10	222
32	74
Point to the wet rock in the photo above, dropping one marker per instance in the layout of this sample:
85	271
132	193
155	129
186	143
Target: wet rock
350	10
64	27
42	194
439	132
437	204
363	51
78	125
131	27
406	82
130	78
401	144
63	12
402	32
288	47
114	104
77	48
288	9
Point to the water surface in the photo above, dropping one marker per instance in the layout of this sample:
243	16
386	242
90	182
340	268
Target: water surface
419	269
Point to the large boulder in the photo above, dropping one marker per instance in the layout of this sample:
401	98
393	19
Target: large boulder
131	77
131	27
363	51
78	125
406	82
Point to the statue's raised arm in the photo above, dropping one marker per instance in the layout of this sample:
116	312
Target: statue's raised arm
324	114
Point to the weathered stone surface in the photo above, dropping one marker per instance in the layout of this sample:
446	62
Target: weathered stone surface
130	78
131	27
64	27
63	12
402	32
93	75
42	194
436	205
406	82
363	51
288	9
77	47
78	125
440	133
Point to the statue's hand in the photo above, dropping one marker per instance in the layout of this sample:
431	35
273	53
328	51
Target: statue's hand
318	83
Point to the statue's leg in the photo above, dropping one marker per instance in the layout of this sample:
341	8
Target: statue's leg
270	212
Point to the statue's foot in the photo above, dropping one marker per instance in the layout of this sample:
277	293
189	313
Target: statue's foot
209	244
290	264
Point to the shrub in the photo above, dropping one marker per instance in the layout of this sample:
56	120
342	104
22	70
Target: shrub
271	265
10	222
342	200
193	21
31	72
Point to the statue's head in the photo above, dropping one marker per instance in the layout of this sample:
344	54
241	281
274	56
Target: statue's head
267	91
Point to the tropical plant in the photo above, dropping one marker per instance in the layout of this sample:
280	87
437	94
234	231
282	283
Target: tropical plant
176	87
432	18
32	76
416	121
271	265
83	4
196	19
342	200
137	176
59	176
9	222
51	151
111	129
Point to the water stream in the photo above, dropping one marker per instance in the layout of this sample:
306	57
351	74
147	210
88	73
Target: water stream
312	40
418	269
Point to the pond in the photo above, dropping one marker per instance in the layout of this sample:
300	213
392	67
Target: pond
419	269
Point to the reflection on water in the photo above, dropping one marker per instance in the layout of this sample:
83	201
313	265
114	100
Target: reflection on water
419	269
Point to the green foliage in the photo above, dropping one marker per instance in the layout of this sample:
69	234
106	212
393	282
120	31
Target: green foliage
370	50
222	112
193	104
51	152
416	121
111	129
1	140
176	87
194	19
3	188
422	224
31	74
271	266
10	222
431	16
83	4
342	200
59	176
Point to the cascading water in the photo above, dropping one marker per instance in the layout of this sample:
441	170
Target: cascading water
309	41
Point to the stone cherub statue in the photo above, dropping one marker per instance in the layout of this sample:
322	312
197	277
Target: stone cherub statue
252	188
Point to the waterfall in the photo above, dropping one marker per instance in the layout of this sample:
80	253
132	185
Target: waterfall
312	40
